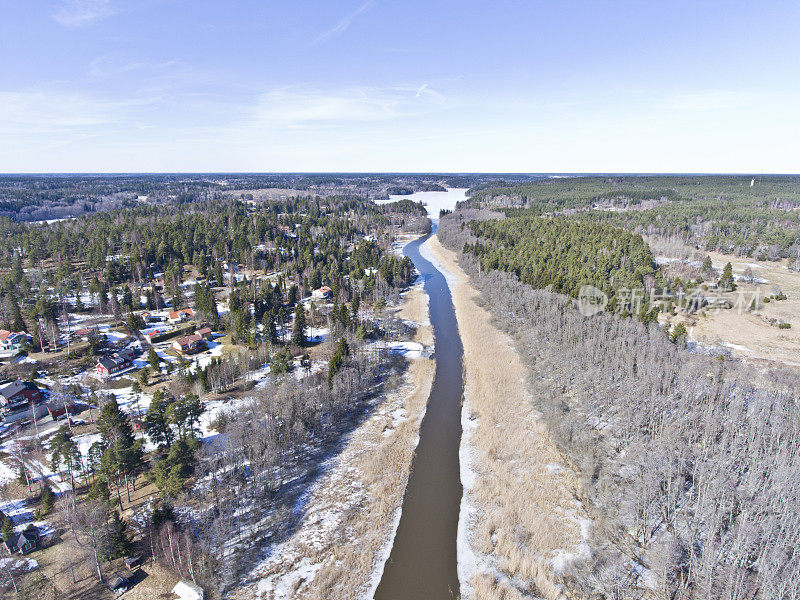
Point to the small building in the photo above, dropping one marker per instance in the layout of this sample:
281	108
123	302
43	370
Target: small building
87	333
180	316
190	344
58	408
120	580
115	364
205	333
24	542
323	293
188	590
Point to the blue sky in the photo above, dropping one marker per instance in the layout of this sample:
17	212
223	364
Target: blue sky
380	85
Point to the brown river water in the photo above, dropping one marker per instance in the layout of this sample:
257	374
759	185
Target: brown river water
422	563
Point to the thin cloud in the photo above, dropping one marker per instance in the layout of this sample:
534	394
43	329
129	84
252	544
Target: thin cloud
343	24
58	112
76	13
299	108
709	101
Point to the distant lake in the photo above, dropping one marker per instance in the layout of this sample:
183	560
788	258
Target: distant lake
433	201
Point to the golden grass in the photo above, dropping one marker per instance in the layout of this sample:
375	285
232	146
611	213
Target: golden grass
750	333
365	489
523	491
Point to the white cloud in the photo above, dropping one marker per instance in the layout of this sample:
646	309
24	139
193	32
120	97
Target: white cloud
709	100
57	111
76	13
299	107
341	26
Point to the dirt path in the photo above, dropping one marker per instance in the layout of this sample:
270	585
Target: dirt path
520	524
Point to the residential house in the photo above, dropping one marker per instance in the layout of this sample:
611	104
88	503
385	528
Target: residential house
24	542
190	344
115	364
86	333
323	293
180	316
10	341
20	391
205	333
21	400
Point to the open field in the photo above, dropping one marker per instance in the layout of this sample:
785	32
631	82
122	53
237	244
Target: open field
514	548
352	510
750	334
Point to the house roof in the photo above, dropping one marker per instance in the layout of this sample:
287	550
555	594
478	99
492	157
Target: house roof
15	387
30	535
6	335
119	578
204	331
188	339
115	360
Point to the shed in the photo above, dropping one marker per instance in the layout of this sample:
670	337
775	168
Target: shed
120	580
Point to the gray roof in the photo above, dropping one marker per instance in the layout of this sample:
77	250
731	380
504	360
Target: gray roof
15	387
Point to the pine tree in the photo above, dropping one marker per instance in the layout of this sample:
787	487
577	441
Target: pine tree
299	336
47	499
153	360
120	542
726	281
8	529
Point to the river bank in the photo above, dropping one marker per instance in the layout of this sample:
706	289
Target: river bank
519	523
344	537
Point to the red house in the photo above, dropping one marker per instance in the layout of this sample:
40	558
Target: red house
18	392
111	366
191	344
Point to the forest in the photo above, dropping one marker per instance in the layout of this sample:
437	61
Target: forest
247	270
563	254
688	463
758	216
46	197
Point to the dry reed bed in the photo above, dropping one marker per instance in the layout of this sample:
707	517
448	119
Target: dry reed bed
350	515
522	497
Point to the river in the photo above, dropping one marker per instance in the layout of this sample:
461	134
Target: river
422	563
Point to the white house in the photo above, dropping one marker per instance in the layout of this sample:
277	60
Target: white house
322	293
11	341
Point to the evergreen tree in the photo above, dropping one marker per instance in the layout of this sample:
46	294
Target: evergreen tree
8	529
153	360
299	336
156	423
726	281
47	499
120	542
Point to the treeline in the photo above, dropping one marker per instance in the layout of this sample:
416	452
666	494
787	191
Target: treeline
690	466
341	243
747	216
562	254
